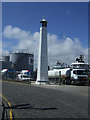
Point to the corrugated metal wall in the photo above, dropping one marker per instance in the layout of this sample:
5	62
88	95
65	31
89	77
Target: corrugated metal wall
21	61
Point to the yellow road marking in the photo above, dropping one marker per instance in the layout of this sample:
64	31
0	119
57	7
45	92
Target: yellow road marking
11	116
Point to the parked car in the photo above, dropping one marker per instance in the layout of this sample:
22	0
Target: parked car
23	77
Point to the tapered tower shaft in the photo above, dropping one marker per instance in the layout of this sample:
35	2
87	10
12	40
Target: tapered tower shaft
42	72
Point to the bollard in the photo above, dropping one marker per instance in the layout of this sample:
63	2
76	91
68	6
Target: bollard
30	80
59	77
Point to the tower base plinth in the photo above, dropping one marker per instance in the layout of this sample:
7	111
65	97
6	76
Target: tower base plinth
39	82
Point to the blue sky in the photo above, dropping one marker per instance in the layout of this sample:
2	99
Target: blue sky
69	19
67	24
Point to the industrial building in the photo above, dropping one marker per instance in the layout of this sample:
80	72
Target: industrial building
5	62
18	60
21	60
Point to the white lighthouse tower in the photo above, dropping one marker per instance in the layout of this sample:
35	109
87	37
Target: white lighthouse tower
42	71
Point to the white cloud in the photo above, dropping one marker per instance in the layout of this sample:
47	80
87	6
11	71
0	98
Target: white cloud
2	51
15	33
65	50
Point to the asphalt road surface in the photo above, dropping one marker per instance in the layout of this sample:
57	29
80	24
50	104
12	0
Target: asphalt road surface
44	101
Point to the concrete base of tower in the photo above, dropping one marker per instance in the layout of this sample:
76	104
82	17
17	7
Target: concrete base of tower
39	82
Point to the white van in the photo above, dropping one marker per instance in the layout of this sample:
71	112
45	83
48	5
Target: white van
22	77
